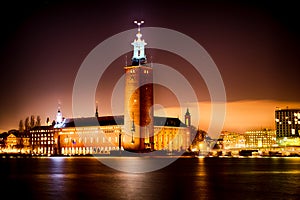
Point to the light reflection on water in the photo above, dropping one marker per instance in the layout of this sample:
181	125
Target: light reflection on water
186	178
137	164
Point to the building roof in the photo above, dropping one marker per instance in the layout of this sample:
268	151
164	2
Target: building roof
4	135
168	121
115	120
92	121
287	109
42	128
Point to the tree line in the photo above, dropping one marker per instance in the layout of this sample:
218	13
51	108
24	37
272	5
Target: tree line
31	122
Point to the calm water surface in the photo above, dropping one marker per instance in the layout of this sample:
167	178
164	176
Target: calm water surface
186	178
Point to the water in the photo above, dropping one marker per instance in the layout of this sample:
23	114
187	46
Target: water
186	178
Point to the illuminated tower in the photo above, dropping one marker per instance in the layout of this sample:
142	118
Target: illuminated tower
187	118
138	111
59	117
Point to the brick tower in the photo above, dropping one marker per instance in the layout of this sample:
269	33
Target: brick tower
138	105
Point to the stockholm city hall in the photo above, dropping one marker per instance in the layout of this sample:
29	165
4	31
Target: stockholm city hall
138	130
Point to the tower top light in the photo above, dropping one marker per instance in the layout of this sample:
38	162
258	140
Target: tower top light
139	44
139	25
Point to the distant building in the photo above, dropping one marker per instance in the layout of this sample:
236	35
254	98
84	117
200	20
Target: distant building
24	143
43	140
287	122
2	140
14	142
260	138
11	142
231	140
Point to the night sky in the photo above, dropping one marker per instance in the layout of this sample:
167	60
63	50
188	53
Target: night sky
255	45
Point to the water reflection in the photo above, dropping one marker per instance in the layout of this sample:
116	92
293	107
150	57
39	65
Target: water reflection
186	178
137	164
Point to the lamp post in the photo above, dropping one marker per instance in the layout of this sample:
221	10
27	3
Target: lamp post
132	129
120	139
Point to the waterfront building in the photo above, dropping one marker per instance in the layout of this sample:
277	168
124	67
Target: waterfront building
43	140
24	145
260	138
232	140
83	136
90	135
11	142
287	123
2	141
15	142
138	130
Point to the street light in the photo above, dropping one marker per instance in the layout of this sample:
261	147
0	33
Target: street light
132	129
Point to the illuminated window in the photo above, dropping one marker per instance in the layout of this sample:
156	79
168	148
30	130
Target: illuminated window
293	131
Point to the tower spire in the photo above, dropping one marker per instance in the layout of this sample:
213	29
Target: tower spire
139	25
96	113
139	44
59	117
187	118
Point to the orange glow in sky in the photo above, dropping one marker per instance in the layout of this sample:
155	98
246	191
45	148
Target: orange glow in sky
241	116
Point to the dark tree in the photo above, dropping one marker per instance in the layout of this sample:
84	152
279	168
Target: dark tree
48	120
21	126
38	121
27	124
32	121
199	137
